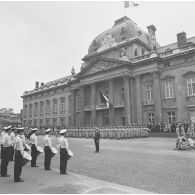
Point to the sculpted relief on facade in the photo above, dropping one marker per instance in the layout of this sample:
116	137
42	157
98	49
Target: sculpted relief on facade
107	42
100	66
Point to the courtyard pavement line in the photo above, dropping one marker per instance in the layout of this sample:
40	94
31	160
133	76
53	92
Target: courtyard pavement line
90	185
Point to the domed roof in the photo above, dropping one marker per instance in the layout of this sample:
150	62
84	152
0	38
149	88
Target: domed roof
123	30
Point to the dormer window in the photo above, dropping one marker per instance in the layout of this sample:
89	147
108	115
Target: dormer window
189	59
123	33
135	52
167	64
143	51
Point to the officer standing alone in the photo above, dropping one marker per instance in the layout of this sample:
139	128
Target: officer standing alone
19	154
63	142
47	149
34	142
6	145
97	139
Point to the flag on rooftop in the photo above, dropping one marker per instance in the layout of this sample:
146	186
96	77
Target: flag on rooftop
130	4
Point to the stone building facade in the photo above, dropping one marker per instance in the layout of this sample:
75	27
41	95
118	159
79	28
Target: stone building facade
144	82
47	105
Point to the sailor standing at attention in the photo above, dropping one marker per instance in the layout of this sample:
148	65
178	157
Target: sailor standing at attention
6	145
1	136
19	154
12	135
47	149
63	142
34	142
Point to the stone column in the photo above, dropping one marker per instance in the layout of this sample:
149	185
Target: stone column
111	99
82	111
73	110
139	100
93	104
157	97
127	107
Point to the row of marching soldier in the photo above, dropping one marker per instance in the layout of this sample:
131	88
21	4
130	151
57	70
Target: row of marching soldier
14	146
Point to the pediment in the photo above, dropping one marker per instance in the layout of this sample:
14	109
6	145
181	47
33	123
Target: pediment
168	77
189	73
100	65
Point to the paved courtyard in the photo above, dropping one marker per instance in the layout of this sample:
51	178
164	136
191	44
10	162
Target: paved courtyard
145	165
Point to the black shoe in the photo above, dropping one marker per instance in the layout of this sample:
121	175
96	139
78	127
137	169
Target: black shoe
20	180
34	166
5	175
48	169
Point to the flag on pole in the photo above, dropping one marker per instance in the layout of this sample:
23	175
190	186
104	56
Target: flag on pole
130	4
126	4
105	100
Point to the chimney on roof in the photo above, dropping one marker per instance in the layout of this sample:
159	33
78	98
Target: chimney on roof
181	39
42	84
36	85
152	36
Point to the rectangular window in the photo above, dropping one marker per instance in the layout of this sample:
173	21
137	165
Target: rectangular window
36	109
151	118
171	116
149	92
41	108
47	107
35	123
191	86
54	122
169	92
47	122
122	94
55	106
62	122
62	106
30	110
41	123
25	110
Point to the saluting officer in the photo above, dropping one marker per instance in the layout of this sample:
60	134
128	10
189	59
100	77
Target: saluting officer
34	142
47	149
19	154
97	139
63	142
6	144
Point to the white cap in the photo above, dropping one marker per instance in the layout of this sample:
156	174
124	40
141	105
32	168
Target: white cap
47	130
62	131
33	129
20	129
8	127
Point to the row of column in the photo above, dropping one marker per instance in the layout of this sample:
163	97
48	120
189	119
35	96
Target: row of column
133	106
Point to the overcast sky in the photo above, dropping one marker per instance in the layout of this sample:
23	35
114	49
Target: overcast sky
41	41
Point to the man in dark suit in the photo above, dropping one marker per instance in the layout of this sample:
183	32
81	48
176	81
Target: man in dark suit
97	139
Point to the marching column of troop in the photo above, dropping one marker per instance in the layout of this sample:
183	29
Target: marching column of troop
15	147
110	133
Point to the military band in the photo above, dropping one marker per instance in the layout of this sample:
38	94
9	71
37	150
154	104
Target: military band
13	141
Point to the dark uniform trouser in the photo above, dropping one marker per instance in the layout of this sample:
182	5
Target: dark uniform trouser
11	153
63	160
34	155
1	150
97	145
18	165
5	160
48	155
